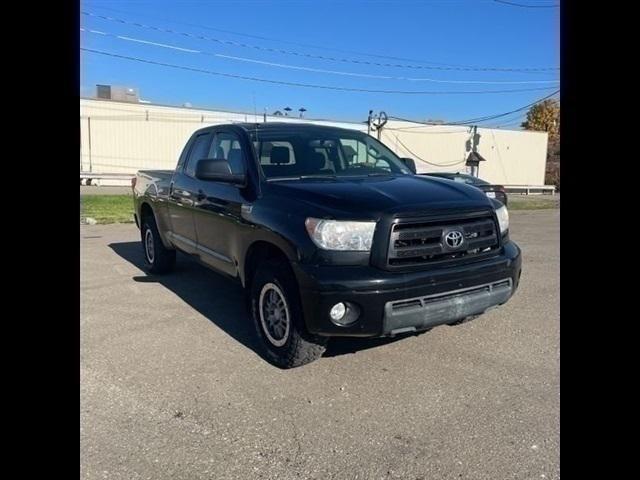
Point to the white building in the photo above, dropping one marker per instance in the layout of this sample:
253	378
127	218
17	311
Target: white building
123	137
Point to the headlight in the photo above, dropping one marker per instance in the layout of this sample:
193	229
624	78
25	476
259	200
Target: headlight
503	218
340	235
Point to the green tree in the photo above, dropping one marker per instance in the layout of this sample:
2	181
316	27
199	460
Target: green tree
545	117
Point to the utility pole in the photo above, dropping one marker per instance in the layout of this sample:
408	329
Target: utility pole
369	122
89	134
381	120
473	149
474	158
81	143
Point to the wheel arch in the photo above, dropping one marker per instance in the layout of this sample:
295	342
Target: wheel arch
257	252
146	210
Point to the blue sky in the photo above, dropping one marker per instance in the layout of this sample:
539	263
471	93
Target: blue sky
425	33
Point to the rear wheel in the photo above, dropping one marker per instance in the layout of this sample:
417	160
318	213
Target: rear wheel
158	258
278	319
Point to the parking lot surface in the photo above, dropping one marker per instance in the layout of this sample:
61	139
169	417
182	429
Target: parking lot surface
171	386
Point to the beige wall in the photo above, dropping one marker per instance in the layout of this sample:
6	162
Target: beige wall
127	137
512	157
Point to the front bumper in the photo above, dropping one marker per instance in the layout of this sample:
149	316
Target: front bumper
395	302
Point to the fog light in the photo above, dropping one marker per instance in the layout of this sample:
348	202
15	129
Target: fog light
338	311
344	314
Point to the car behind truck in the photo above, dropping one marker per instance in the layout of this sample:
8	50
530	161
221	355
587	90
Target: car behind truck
329	233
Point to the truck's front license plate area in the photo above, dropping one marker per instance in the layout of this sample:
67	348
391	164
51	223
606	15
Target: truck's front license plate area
424	312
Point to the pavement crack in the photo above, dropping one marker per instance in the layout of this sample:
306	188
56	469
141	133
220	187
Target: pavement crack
296	438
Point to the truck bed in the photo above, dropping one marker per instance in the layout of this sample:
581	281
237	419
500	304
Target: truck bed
155	173
152	183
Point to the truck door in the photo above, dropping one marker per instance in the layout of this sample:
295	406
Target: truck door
183	191
218	209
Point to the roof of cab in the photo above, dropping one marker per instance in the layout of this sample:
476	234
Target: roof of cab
287	126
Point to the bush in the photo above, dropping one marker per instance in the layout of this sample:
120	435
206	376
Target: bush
552	175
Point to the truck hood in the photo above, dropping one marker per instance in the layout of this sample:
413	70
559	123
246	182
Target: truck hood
369	197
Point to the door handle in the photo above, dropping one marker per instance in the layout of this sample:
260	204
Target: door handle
179	194
172	192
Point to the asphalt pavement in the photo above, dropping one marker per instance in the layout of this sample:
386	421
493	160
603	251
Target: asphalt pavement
171	386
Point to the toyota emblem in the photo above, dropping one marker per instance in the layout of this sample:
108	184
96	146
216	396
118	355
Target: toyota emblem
454	239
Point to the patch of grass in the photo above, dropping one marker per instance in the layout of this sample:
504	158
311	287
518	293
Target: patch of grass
107	208
119	208
520	203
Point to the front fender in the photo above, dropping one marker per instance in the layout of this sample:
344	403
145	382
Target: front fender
263	223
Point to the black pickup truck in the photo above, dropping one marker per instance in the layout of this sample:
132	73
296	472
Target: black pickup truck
329	232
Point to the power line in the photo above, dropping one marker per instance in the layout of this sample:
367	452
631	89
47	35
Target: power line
510	124
513	4
310	55
422	132
422	159
509	120
259	37
308	85
480	119
308	69
491	117
298	44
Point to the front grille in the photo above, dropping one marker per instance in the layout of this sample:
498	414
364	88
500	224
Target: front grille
422	241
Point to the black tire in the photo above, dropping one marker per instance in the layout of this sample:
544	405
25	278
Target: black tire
157	258
288	347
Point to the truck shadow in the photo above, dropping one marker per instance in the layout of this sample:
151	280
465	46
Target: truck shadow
222	301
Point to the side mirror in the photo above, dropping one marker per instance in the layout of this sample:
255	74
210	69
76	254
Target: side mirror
410	163
219	170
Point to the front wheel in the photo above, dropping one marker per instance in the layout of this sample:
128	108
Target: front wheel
278	318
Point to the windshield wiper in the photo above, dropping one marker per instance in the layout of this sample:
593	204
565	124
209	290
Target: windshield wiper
331	177
277	179
303	177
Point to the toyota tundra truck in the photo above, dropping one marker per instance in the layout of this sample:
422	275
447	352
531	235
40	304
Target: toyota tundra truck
329	232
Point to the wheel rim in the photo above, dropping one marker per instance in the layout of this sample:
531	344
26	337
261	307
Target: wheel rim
149	248
274	314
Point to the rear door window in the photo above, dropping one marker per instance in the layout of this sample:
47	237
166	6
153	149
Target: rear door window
265	149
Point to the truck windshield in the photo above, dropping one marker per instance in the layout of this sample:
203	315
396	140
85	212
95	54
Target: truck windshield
309	154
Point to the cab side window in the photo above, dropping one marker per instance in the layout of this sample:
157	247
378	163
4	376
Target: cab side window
198	151
227	145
